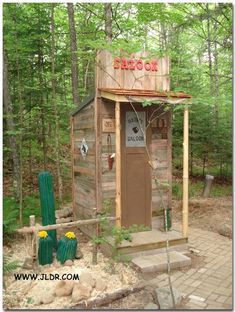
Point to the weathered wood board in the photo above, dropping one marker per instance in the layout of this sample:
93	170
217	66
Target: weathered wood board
84	195
107	76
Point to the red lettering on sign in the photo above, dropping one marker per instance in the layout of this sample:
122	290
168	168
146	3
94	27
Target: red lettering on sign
154	65
139	64
147	66
116	62
131	64
124	64
134	64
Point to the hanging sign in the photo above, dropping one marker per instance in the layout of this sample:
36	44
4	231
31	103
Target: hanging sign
135	64
84	148
108	125
135	129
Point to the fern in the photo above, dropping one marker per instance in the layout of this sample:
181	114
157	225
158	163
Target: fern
9	266
10	214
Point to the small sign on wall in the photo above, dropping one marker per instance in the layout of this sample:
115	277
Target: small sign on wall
108	125
135	129
84	148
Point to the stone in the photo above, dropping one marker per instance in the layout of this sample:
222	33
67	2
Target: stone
68	262
225	230
164	298
151	306
64	288
87	279
158	262
47	297
195	251
100	285
64	212
57	264
28	263
37	301
81	292
197	298
79	254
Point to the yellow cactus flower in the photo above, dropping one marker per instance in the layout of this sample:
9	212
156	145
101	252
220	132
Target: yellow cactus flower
43	234
70	235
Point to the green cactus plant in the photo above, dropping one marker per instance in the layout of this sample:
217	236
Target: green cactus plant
47	202
45	248
67	247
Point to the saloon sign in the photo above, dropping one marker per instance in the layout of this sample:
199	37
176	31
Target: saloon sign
134	129
135	64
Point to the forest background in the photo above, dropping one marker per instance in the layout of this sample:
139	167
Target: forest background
48	69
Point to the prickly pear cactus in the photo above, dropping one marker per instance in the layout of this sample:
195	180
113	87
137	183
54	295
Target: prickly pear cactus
47	202
67	247
45	248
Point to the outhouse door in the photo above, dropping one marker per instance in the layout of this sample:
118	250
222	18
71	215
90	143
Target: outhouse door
135	170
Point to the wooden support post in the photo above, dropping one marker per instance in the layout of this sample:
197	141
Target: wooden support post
118	162
185	173
31	244
72	163
32	220
208	185
98	144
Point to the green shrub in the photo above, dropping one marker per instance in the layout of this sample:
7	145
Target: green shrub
10	215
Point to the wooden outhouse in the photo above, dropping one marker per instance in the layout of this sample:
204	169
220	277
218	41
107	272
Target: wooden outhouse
122	145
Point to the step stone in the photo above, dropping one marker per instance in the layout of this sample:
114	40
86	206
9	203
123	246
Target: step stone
158	262
182	248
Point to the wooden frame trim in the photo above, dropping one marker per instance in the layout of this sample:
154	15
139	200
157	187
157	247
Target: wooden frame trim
72	161
118	162
185	173
98	144
169	157
124	98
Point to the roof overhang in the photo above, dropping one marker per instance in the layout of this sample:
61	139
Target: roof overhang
133	95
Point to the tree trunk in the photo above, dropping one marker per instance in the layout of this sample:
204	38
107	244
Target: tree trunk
216	75
11	128
30	140
209	49
204	165
108	22
42	109
53	85
74	57
20	124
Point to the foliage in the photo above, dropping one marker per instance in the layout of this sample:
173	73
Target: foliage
116	234
196	189
10	215
9	266
31	206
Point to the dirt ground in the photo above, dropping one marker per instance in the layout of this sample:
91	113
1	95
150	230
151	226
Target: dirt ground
213	214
